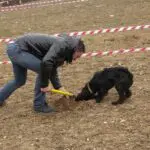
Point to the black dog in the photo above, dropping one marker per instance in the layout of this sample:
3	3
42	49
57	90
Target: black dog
102	81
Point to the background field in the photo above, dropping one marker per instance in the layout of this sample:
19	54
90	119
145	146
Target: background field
83	125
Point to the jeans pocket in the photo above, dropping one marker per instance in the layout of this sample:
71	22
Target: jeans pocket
12	51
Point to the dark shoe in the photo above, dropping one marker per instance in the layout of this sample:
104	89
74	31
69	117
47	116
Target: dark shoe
2	103
44	109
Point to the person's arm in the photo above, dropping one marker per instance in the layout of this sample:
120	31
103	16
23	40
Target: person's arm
48	64
55	79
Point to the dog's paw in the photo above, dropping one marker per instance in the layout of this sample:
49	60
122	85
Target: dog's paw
97	100
129	94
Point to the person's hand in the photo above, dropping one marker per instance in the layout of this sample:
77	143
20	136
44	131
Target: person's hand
46	89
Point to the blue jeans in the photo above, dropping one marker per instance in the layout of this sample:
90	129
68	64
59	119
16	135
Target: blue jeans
21	61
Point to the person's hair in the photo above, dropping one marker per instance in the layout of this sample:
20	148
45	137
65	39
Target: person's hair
81	46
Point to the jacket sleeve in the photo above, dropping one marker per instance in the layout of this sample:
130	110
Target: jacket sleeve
55	79
48	66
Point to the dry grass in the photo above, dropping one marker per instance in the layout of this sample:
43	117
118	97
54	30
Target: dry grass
84	125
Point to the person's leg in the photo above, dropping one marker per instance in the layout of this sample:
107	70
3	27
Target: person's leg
22	61
40	104
20	74
31	62
39	96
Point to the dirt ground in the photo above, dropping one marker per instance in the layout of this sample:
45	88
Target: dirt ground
82	125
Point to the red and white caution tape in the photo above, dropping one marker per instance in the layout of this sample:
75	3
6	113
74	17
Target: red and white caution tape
38	4
5	62
30	4
105	53
121	51
94	32
108	30
5	40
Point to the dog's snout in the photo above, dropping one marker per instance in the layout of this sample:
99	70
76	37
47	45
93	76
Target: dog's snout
78	97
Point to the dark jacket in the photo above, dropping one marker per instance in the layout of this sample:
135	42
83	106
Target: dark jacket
52	51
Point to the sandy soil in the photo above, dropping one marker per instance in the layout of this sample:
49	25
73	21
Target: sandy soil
83	125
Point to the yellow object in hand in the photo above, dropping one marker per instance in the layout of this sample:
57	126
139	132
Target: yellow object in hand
61	92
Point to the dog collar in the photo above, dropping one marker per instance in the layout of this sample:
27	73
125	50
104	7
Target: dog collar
90	90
